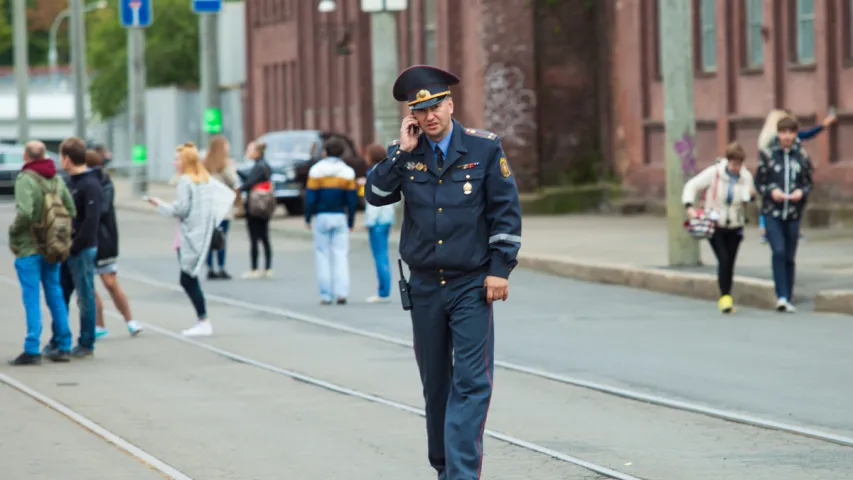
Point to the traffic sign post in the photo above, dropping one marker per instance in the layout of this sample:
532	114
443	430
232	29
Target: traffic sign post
208	43
207	6
135	13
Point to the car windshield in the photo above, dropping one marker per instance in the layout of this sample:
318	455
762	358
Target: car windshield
11	157
290	145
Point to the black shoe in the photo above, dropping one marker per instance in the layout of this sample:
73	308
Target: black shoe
224	275
82	352
26	359
342	301
211	275
57	355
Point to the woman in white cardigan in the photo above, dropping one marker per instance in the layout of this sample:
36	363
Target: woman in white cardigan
201	203
728	188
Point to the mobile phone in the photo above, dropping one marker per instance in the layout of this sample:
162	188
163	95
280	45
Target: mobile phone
414	130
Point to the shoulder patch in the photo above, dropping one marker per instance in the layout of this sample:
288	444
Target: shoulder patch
481	133
505	171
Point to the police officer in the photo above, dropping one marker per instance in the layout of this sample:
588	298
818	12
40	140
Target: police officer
460	238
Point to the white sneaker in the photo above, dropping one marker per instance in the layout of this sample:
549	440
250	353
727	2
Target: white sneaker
377	299
789	307
253	274
201	329
134	328
782	305
266	273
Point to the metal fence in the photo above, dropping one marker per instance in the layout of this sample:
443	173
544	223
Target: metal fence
173	116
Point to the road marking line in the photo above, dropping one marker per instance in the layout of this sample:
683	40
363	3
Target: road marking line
177	475
380	400
108	436
660	401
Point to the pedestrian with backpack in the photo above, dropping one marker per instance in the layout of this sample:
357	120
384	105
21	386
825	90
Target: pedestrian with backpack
40	239
86	190
260	206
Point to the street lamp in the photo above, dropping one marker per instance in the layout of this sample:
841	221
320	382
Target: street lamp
326	6
51	51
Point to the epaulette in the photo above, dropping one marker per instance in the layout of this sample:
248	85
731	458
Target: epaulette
481	133
394	143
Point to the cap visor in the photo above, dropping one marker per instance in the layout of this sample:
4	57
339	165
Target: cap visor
427	103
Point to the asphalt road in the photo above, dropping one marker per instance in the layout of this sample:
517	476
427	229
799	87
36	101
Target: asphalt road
213	418
794	368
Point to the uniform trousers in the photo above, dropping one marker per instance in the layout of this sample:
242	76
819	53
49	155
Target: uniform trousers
454	338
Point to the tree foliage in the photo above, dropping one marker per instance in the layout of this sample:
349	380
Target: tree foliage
5	30
171	56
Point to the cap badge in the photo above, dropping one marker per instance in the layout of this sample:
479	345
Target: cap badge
422	94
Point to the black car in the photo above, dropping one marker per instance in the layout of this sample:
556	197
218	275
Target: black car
291	153
11	161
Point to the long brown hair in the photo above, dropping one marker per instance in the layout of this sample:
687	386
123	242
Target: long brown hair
216	157
191	164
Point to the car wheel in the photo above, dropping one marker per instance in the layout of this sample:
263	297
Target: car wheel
294	206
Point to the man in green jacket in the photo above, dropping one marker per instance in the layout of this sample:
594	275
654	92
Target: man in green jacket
38	174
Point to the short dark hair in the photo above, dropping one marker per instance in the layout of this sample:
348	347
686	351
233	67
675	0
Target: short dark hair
735	152
334	147
75	149
787	124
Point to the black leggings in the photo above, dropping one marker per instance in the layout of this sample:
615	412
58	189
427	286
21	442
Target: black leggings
259	231
725	243
192	287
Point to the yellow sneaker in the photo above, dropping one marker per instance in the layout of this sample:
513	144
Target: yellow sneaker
726	304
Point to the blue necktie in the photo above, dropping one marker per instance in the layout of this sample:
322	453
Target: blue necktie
439	157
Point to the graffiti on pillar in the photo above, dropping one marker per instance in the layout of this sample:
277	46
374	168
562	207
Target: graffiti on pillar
685	148
510	107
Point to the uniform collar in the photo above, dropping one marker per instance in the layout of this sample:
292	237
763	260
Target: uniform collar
444	143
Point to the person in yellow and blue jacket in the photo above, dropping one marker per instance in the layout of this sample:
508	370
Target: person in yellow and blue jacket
331	200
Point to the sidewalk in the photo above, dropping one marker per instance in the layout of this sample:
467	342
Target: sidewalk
632	251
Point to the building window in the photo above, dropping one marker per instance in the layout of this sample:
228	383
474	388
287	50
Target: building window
708	35
805	31
754	38
429	31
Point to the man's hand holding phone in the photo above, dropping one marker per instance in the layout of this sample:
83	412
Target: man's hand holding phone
409	132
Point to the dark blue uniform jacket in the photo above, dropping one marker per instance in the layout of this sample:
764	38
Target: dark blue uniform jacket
461	219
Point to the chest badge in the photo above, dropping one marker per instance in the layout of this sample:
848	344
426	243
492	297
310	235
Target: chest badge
466	189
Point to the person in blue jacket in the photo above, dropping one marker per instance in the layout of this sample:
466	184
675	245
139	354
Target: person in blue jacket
460	237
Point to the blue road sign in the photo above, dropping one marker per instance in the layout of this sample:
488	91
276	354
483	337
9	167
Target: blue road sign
135	13
207	6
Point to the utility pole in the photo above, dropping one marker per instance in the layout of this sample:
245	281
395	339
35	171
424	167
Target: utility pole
22	67
383	57
677	65
137	84
208	30
78	56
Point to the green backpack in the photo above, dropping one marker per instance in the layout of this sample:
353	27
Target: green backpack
53	234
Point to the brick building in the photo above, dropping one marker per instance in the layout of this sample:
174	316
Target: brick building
533	72
574	87
750	56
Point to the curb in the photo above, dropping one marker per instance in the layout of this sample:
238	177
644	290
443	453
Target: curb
748	291
751	292
834	301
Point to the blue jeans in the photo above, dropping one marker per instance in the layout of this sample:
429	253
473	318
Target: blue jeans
783	236
378	235
331	252
220	254
32	270
82	269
